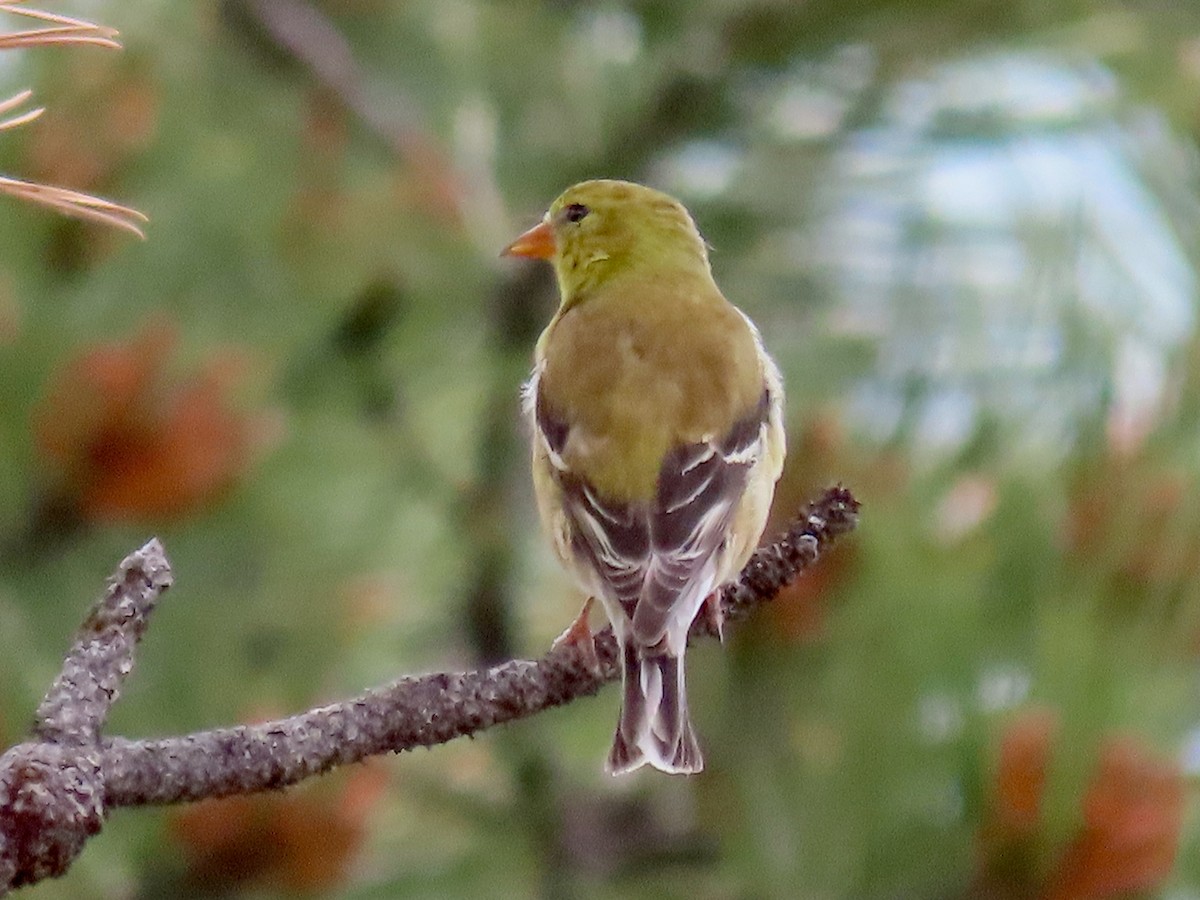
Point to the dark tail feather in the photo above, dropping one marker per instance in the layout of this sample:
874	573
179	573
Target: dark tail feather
654	726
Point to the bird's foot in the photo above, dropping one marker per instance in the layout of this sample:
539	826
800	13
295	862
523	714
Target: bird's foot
714	615
579	635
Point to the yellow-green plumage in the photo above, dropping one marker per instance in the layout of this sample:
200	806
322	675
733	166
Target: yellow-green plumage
658	438
636	228
637	286
646	375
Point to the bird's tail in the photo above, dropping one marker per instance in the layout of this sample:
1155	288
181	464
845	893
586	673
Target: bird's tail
654	726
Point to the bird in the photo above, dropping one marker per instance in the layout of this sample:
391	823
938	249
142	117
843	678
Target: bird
656	417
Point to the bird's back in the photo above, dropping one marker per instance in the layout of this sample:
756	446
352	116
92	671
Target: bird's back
648	364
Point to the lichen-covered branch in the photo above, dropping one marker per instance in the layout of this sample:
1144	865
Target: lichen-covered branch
56	790
52	787
74	709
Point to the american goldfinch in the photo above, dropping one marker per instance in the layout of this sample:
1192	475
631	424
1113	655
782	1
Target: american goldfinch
657	440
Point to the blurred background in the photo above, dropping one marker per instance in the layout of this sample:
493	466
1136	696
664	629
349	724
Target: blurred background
969	232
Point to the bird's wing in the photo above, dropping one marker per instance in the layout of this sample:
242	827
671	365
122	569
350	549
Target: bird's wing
658	560
699	489
613	537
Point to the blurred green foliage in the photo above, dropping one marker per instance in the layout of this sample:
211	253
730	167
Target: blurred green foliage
967	230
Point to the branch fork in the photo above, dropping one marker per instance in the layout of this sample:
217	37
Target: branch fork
57	788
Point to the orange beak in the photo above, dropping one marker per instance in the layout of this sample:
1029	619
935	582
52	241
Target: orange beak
536	243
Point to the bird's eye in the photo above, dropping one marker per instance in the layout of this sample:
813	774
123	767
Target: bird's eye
575	212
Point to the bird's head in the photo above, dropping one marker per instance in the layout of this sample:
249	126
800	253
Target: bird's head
597	230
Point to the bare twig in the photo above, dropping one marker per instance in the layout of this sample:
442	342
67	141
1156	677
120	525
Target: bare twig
302	30
52	788
56	790
74	709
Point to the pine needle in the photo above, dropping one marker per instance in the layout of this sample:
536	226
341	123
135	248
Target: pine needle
12	103
63	30
57	31
75	204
